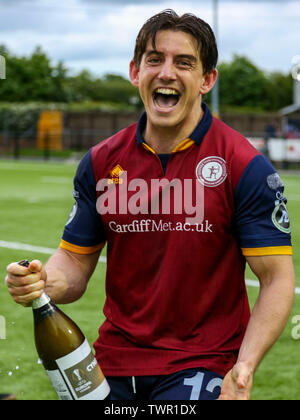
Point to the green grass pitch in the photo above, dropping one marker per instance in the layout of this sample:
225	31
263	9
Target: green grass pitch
35	202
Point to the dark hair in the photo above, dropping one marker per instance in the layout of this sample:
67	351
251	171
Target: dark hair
189	23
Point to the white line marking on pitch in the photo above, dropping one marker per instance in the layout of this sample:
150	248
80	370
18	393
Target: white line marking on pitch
49	251
56	180
32	248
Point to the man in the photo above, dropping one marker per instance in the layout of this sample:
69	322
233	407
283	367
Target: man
177	313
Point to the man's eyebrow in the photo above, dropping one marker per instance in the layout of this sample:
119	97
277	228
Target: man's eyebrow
181	56
149	52
188	57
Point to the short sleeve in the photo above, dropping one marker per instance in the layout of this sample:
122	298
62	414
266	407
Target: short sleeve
261	215
84	233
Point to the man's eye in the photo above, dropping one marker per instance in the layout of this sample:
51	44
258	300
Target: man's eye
153	60
184	64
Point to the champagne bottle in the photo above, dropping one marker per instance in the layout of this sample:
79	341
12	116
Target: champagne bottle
65	353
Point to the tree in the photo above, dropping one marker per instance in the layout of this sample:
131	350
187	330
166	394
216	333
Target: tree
35	78
81	87
278	91
116	88
32	78
242	84
110	88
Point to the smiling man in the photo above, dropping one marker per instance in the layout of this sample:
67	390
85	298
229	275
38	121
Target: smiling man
172	79
178	323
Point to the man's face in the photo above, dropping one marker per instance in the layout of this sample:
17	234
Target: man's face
170	79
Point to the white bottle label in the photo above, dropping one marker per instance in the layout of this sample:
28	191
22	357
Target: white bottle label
78	376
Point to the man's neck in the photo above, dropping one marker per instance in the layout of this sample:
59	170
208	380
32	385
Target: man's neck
165	139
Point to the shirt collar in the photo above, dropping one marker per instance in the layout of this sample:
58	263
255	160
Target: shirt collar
197	135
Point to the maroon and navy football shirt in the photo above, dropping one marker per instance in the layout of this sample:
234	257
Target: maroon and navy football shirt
175	290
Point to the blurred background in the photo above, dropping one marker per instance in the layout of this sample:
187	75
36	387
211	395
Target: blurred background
64	86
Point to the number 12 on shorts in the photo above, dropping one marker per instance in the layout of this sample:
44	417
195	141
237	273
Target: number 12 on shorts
196	382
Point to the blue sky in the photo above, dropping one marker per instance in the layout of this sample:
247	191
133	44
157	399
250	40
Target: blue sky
99	35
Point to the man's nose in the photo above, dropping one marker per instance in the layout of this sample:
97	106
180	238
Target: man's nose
167	71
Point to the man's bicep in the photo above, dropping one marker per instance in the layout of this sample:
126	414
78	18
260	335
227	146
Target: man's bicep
74	264
68	274
268	268
86	261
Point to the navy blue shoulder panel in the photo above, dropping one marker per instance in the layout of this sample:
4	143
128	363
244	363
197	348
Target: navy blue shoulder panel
261	217
84	227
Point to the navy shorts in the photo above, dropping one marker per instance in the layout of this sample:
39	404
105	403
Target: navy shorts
189	384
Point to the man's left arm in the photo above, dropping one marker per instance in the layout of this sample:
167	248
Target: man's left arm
267	322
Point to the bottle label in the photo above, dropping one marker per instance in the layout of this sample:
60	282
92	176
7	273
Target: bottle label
79	376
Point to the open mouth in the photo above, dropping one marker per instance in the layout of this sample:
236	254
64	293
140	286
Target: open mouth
166	98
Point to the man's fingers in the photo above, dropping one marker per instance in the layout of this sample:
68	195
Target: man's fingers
239	379
224	397
237	383
241	376
35	266
27	299
242	382
20	270
14	269
25	284
19	281
28	289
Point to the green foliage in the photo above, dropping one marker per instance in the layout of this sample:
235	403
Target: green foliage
111	88
278	91
32	78
243	84
36	79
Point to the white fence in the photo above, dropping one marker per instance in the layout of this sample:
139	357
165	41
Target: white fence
278	149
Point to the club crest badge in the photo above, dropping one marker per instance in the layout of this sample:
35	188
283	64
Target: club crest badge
280	217
73	213
211	171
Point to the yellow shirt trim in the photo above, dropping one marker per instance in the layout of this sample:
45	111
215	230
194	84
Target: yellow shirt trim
148	148
185	144
83	250
271	250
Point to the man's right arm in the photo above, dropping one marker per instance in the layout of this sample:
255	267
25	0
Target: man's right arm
64	277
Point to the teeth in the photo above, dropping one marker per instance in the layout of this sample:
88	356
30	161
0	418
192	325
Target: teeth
165	91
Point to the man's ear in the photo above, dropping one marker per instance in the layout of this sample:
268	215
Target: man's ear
134	74
209	80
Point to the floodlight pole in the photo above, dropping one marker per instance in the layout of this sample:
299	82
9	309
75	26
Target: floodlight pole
296	77
215	91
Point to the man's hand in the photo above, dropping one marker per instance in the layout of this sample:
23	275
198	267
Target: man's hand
237	384
26	283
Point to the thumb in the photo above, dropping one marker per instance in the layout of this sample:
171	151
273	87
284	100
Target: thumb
35	266
242	381
241	375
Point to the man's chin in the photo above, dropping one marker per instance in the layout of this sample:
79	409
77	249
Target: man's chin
163	120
